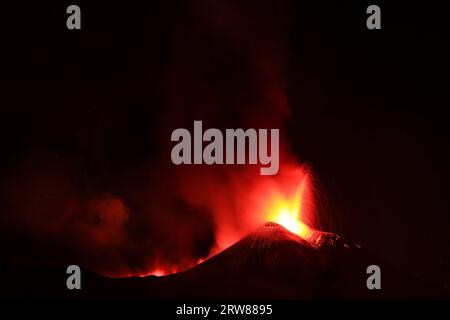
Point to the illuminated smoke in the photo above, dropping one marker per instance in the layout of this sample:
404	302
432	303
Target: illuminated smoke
226	67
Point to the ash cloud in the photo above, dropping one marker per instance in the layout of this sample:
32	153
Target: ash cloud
96	186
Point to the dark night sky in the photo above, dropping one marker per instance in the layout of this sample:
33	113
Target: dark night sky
368	111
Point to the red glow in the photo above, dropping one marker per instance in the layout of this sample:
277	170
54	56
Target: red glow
156	272
286	199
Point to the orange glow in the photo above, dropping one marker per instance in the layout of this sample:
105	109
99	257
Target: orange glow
286	199
289	210
158	273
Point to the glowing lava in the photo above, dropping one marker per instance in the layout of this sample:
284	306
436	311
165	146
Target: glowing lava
290	210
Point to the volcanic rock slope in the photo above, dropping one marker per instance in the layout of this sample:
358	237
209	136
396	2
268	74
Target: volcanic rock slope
273	263
270	263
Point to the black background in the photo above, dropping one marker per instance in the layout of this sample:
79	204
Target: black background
369	110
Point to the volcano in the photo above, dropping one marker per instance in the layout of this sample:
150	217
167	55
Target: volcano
270	263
